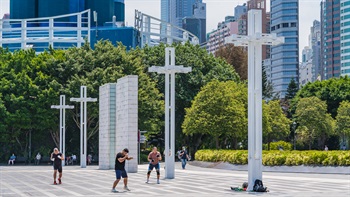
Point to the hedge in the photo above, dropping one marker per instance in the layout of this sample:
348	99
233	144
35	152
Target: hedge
278	158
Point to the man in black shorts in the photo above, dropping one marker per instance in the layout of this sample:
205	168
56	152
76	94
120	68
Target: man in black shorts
120	169
57	158
154	157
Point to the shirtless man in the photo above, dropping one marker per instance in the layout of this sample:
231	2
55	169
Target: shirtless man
154	157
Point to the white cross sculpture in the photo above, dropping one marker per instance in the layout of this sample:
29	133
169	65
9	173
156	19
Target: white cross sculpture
83	139
254	41
169	70
62	107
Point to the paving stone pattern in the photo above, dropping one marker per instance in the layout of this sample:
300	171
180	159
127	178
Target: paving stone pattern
194	181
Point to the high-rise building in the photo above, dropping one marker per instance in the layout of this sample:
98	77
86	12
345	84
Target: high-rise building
197	23
305	67
261	5
240	10
345	36
105	9
330	38
216	38
285	57
173	11
315	45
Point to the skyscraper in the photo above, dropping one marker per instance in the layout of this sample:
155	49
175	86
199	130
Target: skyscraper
345	36
330	38
173	11
197	23
285	57
240	10
315	45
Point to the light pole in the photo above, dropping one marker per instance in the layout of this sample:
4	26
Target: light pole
294	126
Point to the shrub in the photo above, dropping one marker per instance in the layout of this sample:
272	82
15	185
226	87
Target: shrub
276	145
278	158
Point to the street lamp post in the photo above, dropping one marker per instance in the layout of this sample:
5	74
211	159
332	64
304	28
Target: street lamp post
169	70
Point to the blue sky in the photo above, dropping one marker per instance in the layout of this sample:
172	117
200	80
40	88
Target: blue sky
216	12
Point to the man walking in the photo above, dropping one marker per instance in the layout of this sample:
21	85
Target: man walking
37	159
154	157
184	157
57	158
120	169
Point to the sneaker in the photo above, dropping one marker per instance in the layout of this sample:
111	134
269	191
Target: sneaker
114	190
59	181
55	183
126	188
147	181
158	181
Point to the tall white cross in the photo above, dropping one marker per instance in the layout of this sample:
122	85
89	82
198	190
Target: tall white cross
169	70
83	137
62	107
254	41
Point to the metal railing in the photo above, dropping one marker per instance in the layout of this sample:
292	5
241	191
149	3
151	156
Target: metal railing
62	32
154	31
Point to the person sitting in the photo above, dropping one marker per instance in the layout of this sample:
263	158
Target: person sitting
12	159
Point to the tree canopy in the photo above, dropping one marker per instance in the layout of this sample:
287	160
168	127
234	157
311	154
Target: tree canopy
314	121
219	111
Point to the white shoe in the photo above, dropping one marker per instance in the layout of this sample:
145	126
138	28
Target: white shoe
114	190
126	188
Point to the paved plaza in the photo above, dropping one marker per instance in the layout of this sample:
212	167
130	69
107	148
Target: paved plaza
194	181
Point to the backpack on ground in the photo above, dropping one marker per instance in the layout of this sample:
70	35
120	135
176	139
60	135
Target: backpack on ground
258	186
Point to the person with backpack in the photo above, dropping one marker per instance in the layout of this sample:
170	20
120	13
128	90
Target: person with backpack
184	157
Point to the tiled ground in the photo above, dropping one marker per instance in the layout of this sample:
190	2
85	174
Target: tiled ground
194	181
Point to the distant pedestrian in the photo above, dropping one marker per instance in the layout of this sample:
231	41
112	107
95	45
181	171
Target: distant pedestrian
184	157
343	147
326	148
154	158
12	159
74	159
120	169
57	158
37	159
89	159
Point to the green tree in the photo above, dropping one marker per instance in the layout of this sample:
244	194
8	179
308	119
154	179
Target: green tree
267	88
291	90
219	111
343	120
333	91
314	121
275	123
205	68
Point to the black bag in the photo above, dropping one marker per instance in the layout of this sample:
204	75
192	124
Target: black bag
258	186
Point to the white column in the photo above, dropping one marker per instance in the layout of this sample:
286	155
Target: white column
167	118
24	34
171	171
51	34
